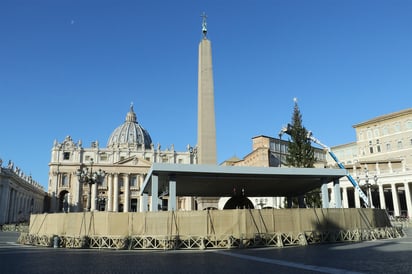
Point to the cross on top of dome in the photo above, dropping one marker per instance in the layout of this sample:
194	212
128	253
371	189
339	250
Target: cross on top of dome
131	116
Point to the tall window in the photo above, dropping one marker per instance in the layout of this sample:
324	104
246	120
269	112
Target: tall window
66	155
409	124
388	147
360	135
133	181
399	144
397	127
65	180
369	133
103	157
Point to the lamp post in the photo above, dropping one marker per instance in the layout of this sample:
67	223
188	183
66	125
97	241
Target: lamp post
375	179
368	186
89	177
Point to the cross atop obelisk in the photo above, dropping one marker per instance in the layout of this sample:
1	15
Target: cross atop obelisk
204	24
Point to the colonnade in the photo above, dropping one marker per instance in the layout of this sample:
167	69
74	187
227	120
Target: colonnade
119	192
395	197
18	198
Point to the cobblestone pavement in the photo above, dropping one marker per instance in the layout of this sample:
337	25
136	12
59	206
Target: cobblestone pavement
381	256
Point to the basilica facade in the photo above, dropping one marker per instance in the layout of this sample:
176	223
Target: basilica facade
125	160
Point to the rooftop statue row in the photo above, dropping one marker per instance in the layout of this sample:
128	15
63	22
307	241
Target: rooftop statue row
17	171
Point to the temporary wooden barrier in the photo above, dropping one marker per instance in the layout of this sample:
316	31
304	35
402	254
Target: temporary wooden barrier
239	228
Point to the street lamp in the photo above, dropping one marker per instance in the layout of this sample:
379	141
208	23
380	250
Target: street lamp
368	186
89	177
375	186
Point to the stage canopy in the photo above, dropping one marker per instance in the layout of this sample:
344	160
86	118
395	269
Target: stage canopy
223	181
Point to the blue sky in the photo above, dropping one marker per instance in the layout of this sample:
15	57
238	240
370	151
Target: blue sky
73	68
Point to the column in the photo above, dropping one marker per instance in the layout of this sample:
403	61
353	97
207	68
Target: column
395	198
155	192
10	217
337	195
69	201
144	202
93	197
378	171
382	197
77	196
2	203
345	198
408	199
18	205
126	191
171	206
6	201
357	198
325	195
110	192
116	192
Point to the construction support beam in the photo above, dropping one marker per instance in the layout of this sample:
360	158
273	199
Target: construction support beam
171	205
155	193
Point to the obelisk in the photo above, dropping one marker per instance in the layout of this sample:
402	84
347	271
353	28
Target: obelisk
206	129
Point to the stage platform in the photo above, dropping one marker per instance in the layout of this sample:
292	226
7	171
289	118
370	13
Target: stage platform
238	228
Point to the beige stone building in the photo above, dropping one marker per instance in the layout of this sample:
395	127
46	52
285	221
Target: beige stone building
125	160
268	152
20	195
381	161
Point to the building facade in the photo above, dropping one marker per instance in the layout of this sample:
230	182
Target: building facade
381	162
271	152
125	160
268	152
20	195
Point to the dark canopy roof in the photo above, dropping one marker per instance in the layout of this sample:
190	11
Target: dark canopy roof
221	181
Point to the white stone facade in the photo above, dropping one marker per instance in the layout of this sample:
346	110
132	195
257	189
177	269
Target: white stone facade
20	195
126	160
381	161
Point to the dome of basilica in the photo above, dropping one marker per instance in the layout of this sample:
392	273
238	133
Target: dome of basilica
130	134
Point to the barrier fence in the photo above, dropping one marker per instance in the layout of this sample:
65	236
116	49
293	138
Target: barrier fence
208	229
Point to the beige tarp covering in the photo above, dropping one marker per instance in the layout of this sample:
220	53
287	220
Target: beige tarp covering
238	223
